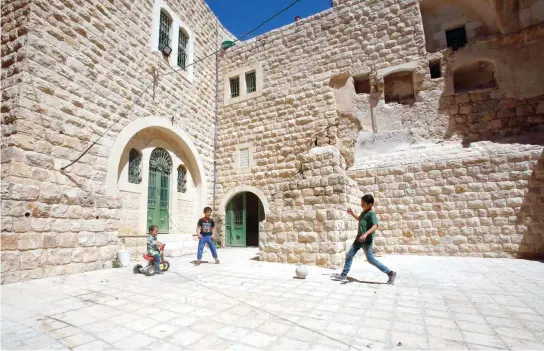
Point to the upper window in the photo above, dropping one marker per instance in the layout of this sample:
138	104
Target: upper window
134	161
234	87
251	82
182	49
243	84
164	30
174	38
456	38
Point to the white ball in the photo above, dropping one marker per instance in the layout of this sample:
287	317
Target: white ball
301	272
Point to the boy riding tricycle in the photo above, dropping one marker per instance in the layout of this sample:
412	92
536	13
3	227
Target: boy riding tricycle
154	256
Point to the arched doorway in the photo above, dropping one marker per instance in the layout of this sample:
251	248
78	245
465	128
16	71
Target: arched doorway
160	167
242	217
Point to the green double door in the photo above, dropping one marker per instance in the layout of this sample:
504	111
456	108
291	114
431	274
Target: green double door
244	212
236	221
160	168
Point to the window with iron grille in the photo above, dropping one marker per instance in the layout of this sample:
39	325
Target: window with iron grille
164	30
234	87
182	179
182	49
251	82
134	161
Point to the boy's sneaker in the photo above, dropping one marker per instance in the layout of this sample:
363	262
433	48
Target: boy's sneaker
392	275
340	277
197	263
217	261
158	272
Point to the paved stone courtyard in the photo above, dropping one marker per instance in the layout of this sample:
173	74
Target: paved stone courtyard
243	304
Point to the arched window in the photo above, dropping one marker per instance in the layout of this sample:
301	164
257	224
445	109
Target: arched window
182	179
134	162
164	30
182	49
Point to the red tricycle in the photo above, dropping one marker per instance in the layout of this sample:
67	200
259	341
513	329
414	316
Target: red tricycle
149	270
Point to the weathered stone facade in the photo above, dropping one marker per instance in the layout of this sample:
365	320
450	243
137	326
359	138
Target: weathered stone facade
344	103
454	162
70	71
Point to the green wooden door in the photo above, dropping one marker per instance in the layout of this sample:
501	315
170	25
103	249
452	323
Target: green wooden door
160	167
236	221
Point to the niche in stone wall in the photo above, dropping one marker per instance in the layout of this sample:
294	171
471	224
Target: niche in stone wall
474	76
361	84
434	69
399	88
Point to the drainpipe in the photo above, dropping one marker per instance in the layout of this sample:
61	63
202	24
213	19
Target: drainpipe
216	132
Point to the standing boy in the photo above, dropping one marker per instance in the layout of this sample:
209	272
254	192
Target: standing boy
368	223
153	247
205	230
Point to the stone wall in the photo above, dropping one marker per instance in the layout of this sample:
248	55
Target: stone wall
297	109
307	223
492	139
468	204
72	69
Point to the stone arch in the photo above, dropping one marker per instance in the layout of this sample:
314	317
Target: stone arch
181	141
223	203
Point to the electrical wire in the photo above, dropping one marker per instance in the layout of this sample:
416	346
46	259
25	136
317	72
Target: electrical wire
177	71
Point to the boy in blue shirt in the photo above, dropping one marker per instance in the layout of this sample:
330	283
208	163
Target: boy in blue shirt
205	230
368	223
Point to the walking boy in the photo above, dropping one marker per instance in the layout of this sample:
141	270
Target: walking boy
368	223
205	229
153	247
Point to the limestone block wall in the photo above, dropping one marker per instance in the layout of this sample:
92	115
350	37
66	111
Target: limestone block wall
70	70
469	203
307	221
310	99
297	109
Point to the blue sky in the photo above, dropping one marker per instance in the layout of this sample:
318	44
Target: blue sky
241	16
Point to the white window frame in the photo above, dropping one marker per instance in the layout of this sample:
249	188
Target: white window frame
177	24
243	95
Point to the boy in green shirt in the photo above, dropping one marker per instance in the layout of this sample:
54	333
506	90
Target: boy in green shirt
368	223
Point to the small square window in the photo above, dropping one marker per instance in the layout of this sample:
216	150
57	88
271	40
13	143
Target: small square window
362	84
456	38
244	158
235	87
251	82
434	68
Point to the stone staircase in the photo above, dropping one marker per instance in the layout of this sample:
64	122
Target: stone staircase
179	244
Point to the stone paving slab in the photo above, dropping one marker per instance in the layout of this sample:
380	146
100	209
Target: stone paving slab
242	304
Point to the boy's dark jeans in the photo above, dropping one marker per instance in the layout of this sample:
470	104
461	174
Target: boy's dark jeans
206	239
157	259
367	248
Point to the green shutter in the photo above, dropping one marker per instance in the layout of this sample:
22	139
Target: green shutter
182	49
164	30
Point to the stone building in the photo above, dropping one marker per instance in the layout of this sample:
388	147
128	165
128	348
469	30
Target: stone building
122	73
434	107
